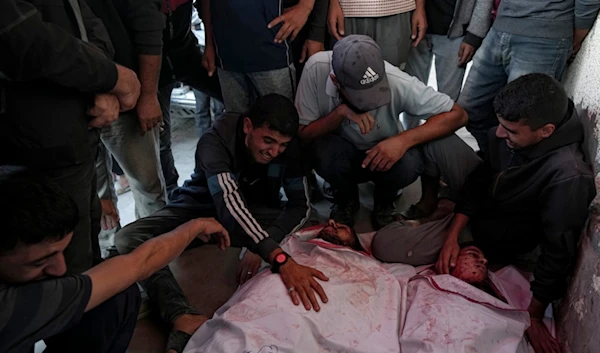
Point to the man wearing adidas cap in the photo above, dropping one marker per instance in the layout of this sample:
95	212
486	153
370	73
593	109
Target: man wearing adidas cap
349	101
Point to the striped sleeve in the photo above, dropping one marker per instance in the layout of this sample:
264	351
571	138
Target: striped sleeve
232	210
295	184
235	216
39	310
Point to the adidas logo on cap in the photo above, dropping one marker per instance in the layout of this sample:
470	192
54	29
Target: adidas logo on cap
369	77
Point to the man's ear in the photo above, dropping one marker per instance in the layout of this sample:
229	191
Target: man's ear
334	80
547	130
248	125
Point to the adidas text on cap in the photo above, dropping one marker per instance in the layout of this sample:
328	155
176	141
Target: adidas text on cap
359	68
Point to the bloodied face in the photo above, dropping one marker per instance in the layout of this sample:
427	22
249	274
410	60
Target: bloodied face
471	265
340	234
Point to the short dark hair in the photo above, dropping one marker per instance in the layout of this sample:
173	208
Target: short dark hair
34	210
533	99
275	112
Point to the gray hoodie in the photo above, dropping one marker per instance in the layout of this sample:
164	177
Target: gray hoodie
546	18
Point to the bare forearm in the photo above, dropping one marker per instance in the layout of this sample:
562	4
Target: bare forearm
307	3
437	126
420	4
324	125
536	309
459	222
116	274
149	73
207	20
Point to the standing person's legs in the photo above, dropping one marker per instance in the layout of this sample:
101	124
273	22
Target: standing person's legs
420	60
391	33
202	113
106	192
448	74
138	155
237	93
79	182
282	81
108	328
529	55
485	80
418	65
167	161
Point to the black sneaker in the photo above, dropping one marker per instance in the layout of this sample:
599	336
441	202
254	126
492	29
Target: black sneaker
384	215
344	213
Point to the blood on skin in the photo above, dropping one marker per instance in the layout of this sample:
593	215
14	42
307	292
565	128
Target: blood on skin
471	265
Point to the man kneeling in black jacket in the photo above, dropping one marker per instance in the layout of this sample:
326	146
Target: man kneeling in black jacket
241	164
532	189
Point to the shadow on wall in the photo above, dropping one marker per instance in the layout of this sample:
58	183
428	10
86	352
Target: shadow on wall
579	312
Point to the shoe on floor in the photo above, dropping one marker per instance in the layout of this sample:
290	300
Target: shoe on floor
344	213
384	214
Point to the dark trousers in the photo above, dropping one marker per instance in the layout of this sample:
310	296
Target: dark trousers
79	181
105	329
181	65
340	163
162	288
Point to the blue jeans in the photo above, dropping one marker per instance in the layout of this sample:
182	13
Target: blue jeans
206	107
502	58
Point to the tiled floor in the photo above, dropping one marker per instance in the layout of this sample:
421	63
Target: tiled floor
207	275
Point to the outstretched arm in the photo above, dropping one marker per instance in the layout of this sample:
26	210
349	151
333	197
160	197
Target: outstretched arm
116	274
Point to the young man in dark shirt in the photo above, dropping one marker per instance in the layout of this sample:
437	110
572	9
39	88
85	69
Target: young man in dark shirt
241	164
91	312
533	189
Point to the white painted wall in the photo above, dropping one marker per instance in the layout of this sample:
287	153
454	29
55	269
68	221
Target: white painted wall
582	78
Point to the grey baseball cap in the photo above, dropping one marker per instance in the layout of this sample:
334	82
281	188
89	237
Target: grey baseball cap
359	68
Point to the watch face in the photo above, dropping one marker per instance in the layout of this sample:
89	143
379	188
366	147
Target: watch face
280	258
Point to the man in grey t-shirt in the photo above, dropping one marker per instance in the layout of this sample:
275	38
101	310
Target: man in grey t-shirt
349	102
92	312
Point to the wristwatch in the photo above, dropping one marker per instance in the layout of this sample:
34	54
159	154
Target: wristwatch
279	260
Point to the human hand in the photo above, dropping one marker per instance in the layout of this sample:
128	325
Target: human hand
301	285
447	258
419	25
248	266
210	228
385	154
148	112
127	88
110	217
578	37
465	54
364	121
105	110
335	20
310	47
208	60
293	20
540	338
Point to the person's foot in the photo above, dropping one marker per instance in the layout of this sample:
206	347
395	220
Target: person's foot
344	212
384	214
187	324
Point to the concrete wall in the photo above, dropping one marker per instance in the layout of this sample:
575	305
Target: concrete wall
579	313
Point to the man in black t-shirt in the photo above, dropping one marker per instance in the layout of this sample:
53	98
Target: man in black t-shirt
91	312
